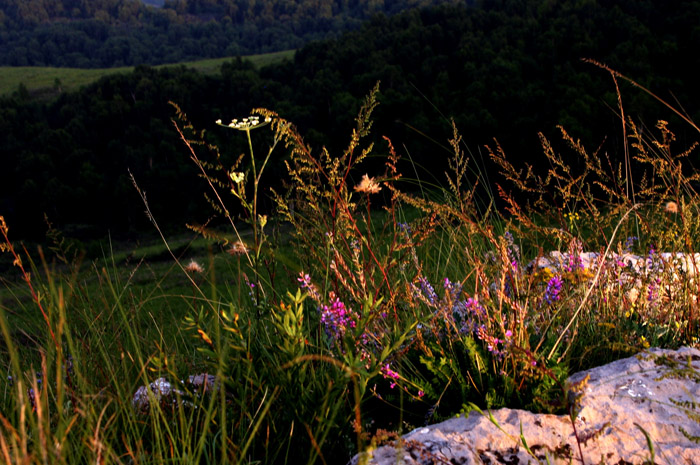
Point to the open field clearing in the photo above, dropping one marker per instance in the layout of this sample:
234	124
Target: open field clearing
40	80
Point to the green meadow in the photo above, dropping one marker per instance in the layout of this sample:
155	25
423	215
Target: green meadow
44	80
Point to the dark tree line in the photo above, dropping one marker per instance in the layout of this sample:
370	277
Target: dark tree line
112	33
504	70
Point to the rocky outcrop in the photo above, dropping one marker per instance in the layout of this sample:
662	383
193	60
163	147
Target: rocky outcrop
641	410
170	396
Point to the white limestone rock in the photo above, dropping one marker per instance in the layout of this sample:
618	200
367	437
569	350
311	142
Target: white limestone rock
657	391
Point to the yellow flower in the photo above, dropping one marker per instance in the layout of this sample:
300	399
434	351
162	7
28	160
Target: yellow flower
572	217
368	185
205	337
237	177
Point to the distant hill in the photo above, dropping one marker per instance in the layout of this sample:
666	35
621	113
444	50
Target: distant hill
44	83
115	33
505	70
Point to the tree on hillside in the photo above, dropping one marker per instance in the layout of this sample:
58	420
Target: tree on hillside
241	27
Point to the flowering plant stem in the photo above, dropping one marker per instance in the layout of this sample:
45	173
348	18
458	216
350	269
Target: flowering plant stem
258	226
7	246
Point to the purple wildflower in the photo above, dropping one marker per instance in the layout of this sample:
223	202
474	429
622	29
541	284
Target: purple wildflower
428	290
251	291
306	284
468	315
651	258
575	263
493	344
513	250
509	237
304	279
388	373
653	292
629	243
452	290
551	294
32	398
337	318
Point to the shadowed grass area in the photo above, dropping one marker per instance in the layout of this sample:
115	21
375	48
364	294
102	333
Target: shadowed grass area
50	81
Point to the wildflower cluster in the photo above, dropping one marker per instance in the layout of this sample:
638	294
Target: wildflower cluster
466	316
652	258
31	394
404	228
358	338
251	291
653	290
238	248
237	177
671	207
337	318
497	347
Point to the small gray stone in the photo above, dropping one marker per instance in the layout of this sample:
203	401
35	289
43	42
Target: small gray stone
166	395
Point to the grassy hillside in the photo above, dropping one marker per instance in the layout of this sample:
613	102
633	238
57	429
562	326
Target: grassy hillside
382	309
44	79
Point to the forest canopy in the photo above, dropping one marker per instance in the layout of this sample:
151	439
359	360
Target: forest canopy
113	33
